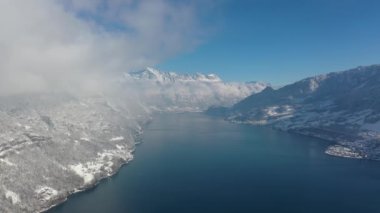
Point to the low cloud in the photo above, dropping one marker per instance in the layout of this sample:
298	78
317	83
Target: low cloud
48	45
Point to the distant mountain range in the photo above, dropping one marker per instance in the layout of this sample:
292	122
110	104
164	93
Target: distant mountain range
168	91
343	107
171	77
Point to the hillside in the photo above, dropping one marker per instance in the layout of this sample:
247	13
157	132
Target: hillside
343	107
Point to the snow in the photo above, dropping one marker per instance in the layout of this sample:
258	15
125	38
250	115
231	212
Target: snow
120	138
156	75
341	107
284	110
341	151
7	162
119	147
12	196
42	166
45	193
82	171
166	91
103	162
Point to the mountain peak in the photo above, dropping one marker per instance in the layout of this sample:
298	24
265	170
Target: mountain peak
153	74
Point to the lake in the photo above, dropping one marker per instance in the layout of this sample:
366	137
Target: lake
191	163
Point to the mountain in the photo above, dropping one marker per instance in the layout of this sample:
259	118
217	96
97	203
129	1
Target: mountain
168	91
343	107
171	77
52	145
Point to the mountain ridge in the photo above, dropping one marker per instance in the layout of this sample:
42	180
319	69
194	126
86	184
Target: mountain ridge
150	73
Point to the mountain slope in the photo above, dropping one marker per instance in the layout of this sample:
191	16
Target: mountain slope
52	145
342	106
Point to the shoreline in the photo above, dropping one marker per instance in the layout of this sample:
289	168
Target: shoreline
88	187
59	202
337	149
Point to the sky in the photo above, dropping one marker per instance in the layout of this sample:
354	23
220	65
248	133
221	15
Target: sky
78	45
280	41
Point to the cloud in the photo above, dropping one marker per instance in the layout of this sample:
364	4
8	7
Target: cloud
56	44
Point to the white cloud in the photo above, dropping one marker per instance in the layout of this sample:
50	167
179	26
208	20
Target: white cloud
55	44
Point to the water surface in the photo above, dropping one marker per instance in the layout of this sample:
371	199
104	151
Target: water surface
191	163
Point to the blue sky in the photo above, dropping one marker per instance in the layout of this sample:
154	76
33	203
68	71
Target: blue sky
282	41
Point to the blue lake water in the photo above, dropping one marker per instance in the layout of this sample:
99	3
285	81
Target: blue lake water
190	163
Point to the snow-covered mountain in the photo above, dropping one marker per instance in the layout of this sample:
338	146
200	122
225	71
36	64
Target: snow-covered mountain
52	145
342	106
168	91
171	77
